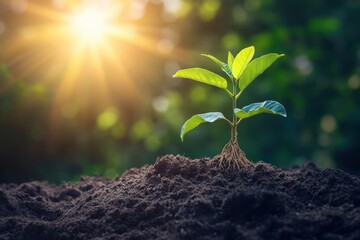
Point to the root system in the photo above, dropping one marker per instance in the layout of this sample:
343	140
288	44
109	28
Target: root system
232	158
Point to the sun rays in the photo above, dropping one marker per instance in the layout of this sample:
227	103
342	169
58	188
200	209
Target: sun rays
85	50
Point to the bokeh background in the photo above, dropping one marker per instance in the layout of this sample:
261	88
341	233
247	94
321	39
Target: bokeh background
72	107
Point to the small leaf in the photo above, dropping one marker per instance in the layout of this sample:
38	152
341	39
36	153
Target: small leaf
268	106
257	67
221	64
197	119
230	60
202	75
241	61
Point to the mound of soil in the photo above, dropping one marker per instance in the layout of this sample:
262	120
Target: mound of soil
179	198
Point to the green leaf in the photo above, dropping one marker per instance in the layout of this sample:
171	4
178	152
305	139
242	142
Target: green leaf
197	119
268	106
221	64
230	60
257	67
202	75
241	61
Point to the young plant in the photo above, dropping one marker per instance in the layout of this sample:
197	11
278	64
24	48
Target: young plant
241	71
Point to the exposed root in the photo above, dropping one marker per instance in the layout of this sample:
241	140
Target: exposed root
232	158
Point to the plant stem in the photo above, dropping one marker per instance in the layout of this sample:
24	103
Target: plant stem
234	122
232	157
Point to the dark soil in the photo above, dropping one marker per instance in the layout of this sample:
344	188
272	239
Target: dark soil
179	198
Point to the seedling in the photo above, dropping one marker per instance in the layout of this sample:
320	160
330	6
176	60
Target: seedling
241	71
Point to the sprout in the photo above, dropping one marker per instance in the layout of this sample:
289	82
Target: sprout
241	71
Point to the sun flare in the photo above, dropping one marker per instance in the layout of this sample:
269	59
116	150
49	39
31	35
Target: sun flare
89	25
92	48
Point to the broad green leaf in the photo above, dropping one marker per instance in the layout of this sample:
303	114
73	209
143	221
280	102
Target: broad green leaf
230	60
257	67
268	106
202	75
221	64
241	61
197	119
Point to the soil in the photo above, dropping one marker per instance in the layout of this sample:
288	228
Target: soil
179	198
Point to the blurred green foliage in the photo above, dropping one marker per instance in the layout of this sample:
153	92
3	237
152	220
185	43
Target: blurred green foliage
318	81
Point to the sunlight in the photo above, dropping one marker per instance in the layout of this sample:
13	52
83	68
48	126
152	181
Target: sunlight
89	25
89	52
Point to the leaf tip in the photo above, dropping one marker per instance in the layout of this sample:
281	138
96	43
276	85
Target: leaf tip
176	74
252	49
182	137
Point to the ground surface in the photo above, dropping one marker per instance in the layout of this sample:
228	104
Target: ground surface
178	198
